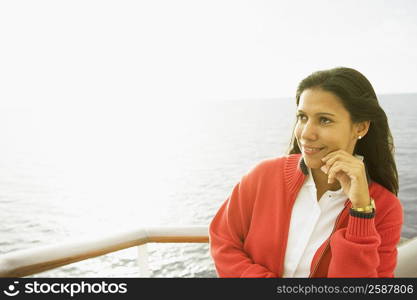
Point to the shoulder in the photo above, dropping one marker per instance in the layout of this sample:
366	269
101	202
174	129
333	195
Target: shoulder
271	164
267	168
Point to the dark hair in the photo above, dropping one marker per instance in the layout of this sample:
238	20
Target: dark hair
359	99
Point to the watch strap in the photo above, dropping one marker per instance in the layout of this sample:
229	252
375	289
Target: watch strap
364	212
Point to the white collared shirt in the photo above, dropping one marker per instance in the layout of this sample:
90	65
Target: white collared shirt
311	224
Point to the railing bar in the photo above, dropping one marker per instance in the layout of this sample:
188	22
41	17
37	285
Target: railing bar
31	261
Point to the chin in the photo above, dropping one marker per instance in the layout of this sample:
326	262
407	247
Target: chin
313	163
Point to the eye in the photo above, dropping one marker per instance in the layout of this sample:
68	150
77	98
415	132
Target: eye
301	117
324	120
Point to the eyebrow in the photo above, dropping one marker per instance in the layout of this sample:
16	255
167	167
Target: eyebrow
319	113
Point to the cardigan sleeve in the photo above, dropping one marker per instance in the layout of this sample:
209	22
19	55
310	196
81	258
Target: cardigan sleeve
227	232
365	250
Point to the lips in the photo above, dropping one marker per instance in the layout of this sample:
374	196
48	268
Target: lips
312	150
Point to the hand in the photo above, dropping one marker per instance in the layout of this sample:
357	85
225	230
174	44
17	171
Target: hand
351	174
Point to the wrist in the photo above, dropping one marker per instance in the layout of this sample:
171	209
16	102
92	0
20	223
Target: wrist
362	202
364	208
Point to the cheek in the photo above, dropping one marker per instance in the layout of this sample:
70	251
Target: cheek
331	140
335	140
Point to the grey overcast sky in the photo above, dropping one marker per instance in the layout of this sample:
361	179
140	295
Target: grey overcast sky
98	52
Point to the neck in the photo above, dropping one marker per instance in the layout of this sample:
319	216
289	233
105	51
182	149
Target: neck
320	179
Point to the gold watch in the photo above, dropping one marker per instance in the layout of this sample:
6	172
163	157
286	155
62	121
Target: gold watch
367	209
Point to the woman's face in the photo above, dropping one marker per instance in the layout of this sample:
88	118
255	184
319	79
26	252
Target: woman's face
323	126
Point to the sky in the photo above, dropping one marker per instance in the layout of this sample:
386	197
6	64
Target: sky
132	53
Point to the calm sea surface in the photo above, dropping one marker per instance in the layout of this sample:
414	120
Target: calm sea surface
74	171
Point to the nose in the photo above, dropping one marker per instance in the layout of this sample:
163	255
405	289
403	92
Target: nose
308	131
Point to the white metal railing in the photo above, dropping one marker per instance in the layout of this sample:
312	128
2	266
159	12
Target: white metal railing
31	261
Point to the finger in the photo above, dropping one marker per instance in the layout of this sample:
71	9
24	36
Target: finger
324	169
337	157
329	155
345	157
329	163
352	171
338	167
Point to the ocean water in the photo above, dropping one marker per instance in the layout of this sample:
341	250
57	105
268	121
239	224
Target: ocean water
68	172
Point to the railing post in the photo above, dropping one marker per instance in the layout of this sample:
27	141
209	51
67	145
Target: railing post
143	261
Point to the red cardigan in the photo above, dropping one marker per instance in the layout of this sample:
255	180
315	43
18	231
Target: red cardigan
248	235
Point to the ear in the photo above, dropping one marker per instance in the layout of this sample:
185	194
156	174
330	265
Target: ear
362	128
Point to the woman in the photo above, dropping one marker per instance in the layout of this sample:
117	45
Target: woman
328	208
